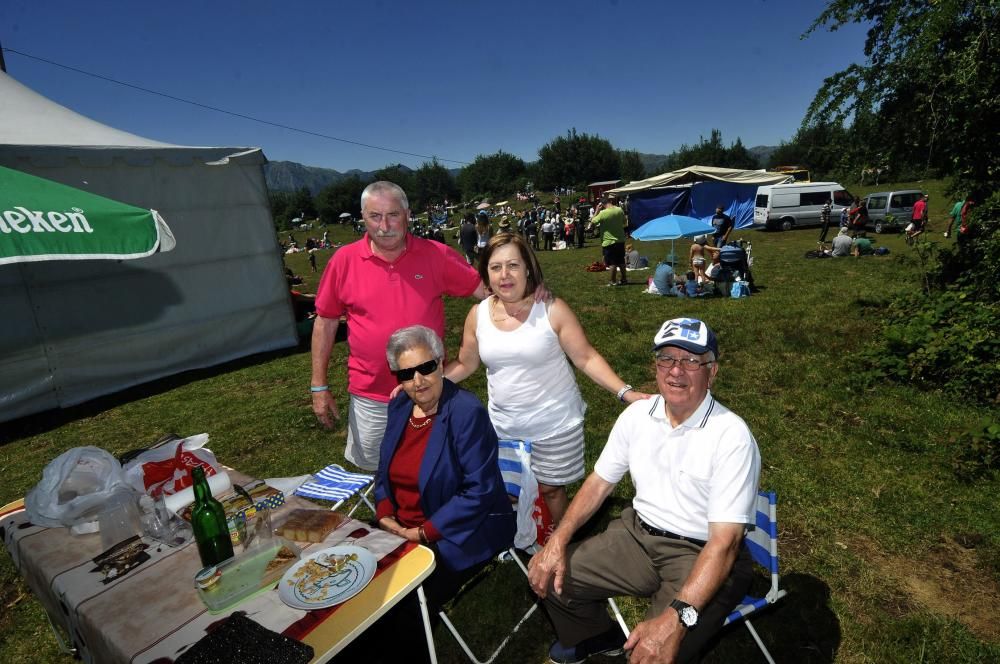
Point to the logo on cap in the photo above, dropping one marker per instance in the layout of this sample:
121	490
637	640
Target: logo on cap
690	334
685	328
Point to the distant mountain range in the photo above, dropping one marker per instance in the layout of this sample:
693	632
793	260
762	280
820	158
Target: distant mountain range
763	153
291	176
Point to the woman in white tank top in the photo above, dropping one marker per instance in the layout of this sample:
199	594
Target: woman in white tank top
524	345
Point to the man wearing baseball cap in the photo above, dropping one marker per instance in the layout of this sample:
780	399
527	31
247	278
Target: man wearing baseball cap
695	467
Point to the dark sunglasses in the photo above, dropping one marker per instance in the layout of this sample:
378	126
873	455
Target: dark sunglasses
425	369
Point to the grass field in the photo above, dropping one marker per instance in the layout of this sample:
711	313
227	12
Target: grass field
886	557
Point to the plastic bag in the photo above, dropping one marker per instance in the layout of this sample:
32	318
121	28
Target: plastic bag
515	467
739	289
74	488
167	469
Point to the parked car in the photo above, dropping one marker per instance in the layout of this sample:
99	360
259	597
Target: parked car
891	210
788	206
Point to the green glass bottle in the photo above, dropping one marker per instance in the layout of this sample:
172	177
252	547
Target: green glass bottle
208	521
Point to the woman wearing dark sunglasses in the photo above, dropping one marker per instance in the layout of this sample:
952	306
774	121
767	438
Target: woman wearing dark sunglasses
439	481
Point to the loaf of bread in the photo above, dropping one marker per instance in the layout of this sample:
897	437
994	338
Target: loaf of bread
308	525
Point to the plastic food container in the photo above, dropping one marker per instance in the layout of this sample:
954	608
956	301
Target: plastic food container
223	586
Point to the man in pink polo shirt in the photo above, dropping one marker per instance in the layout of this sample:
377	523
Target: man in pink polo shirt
387	280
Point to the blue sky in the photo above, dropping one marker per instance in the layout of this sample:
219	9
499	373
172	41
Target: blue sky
445	78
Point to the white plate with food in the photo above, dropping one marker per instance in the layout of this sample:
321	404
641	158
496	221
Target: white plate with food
327	577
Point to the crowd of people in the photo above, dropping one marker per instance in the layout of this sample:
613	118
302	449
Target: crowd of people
852	238
713	269
694	464
544	228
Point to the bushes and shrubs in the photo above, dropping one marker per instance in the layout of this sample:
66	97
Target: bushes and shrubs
946	337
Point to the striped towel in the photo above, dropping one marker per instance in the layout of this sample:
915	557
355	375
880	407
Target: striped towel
333	483
512	464
514	458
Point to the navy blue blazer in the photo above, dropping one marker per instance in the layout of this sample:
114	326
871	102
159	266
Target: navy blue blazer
461	490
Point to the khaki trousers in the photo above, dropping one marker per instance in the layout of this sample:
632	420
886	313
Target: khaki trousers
626	560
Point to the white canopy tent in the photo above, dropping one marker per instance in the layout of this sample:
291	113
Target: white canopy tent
701	173
75	330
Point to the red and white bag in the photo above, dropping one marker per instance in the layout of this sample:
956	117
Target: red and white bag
543	520
167	469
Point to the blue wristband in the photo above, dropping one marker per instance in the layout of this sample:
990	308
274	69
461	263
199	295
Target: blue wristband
319	388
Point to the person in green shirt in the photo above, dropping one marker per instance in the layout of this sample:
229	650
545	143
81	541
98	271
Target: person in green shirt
862	246
955	216
611	222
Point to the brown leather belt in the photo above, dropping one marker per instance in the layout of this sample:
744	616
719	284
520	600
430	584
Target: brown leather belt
666	533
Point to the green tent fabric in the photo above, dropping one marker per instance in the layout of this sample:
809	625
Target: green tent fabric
45	220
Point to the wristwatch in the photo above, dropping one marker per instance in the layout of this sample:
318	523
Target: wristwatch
687	613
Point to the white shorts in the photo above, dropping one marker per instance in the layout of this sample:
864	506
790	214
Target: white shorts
365	430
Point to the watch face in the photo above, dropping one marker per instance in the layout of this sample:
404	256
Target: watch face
689	616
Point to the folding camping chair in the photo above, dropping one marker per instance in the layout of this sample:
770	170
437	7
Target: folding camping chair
513	459
512	553
335	484
762	542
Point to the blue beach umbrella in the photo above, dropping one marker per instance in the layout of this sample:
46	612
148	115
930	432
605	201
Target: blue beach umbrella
672	227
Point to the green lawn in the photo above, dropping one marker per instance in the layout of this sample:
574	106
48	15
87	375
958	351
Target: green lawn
886	557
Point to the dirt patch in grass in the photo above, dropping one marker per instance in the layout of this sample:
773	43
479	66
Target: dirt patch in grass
947	581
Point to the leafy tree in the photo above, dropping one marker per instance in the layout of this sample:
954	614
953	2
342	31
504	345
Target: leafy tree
929	90
928	94
494	175
739	157
711	153
575	159
432	183
397	174
281	204
339	197
630	165
824	148
302	204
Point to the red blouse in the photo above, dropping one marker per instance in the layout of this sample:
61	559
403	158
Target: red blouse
404	474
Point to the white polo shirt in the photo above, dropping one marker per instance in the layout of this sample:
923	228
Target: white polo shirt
704	470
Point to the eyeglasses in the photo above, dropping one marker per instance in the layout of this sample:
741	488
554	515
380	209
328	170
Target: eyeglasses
690	364
425	369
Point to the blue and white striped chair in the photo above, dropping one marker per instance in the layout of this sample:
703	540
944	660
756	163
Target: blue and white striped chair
336	485
762	542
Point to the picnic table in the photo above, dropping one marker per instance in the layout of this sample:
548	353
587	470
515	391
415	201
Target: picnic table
153	613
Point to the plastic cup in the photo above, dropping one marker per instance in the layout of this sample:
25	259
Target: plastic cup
119	520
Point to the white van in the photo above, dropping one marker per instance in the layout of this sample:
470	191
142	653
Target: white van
788	206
